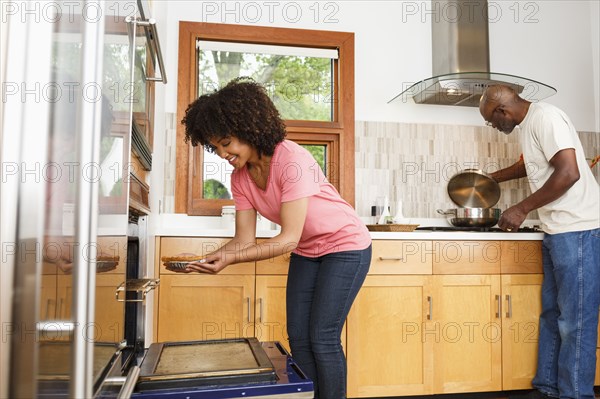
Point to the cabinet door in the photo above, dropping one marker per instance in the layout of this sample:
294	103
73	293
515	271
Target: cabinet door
388	354
201	307
466	257
597	381
522	306
48	300
271	321
401	257
467	334
278	265
110	313
520	257
64	295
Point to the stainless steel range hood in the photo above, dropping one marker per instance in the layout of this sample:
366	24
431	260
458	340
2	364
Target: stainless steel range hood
461	62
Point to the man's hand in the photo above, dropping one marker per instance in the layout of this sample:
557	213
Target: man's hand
512	218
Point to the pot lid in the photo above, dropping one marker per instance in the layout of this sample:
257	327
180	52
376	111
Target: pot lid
473	188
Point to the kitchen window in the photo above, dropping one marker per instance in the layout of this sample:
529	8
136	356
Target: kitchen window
308	75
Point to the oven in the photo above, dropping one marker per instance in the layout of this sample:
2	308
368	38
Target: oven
230	368
75	224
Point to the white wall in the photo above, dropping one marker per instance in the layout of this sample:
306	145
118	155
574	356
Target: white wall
595	37
393	48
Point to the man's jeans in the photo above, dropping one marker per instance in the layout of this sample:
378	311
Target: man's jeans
320	292
569	320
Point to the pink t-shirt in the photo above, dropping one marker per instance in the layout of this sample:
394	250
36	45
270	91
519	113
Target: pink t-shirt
331	224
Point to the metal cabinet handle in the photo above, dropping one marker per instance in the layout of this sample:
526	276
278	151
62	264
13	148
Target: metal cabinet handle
509	305
390	258
260	310
47	308
430	315
248	305
499	309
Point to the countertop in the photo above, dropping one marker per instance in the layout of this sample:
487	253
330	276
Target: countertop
458	236
173	225
415	235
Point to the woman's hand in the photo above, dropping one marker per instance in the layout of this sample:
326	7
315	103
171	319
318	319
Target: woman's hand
211	264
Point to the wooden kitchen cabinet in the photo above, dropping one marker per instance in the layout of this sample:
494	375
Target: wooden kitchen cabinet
270	303
432	317
521	257
468	346
270	308
466	257
455	310
109	313
270	313
48	299
201	307
278	265
401	257
389	350
109	319
522	276
597	382
521	309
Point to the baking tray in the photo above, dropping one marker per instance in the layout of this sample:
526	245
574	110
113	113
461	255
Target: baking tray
200	363
55	359
291	382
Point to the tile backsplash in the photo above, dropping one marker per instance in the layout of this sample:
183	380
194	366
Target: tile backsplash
412	163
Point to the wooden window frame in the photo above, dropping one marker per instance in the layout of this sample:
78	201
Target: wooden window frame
337	135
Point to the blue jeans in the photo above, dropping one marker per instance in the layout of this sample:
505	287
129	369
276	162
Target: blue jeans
320	292
569	319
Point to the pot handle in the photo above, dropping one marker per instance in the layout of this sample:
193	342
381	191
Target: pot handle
445	213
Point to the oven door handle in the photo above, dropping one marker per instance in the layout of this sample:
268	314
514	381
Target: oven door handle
129	385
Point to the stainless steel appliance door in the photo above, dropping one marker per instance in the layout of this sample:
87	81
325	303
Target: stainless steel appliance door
59	137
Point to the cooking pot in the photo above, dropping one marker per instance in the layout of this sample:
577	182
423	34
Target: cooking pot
473	188
472	217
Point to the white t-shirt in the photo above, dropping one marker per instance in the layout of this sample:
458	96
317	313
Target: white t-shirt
545	131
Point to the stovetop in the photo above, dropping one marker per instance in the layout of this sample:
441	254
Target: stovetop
523	229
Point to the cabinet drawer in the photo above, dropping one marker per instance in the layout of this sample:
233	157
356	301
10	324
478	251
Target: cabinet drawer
466	257
401	257
171	246
277	265
521	257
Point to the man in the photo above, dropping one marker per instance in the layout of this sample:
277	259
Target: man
567	198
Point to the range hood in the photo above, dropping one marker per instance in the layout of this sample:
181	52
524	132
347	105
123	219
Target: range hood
461	62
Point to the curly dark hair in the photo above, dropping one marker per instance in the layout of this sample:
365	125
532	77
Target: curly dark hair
241	109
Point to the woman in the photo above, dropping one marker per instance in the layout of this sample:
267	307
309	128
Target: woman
331	247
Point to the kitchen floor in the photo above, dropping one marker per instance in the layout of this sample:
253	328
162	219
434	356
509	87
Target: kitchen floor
478	395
